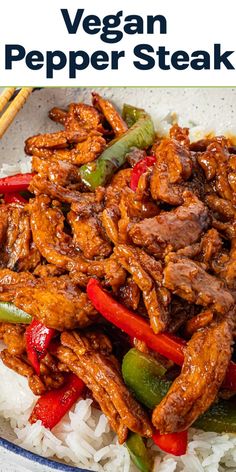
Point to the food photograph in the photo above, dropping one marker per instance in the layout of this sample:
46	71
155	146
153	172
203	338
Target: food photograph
117	279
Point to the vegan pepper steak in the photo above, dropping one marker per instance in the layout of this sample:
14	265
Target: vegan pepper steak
117	276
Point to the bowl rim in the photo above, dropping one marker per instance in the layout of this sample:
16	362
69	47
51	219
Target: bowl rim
18	450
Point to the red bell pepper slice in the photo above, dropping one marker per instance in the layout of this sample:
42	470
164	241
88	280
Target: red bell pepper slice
38	338
139	169
230	378
14	197
52	406
172	443
15	183
135	326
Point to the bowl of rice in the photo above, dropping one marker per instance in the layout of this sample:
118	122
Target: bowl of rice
84	440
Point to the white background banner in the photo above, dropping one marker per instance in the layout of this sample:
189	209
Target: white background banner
197	48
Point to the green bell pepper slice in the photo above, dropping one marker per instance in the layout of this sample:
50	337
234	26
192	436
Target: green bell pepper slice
130	114
9	313
220	418
140	135
138	452
140	373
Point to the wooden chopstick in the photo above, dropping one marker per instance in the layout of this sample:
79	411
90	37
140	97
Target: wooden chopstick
10	113
5	96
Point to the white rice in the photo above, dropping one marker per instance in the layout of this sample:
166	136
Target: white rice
12	169
84	438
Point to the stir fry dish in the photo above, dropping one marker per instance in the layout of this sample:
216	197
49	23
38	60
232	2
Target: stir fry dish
118	275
